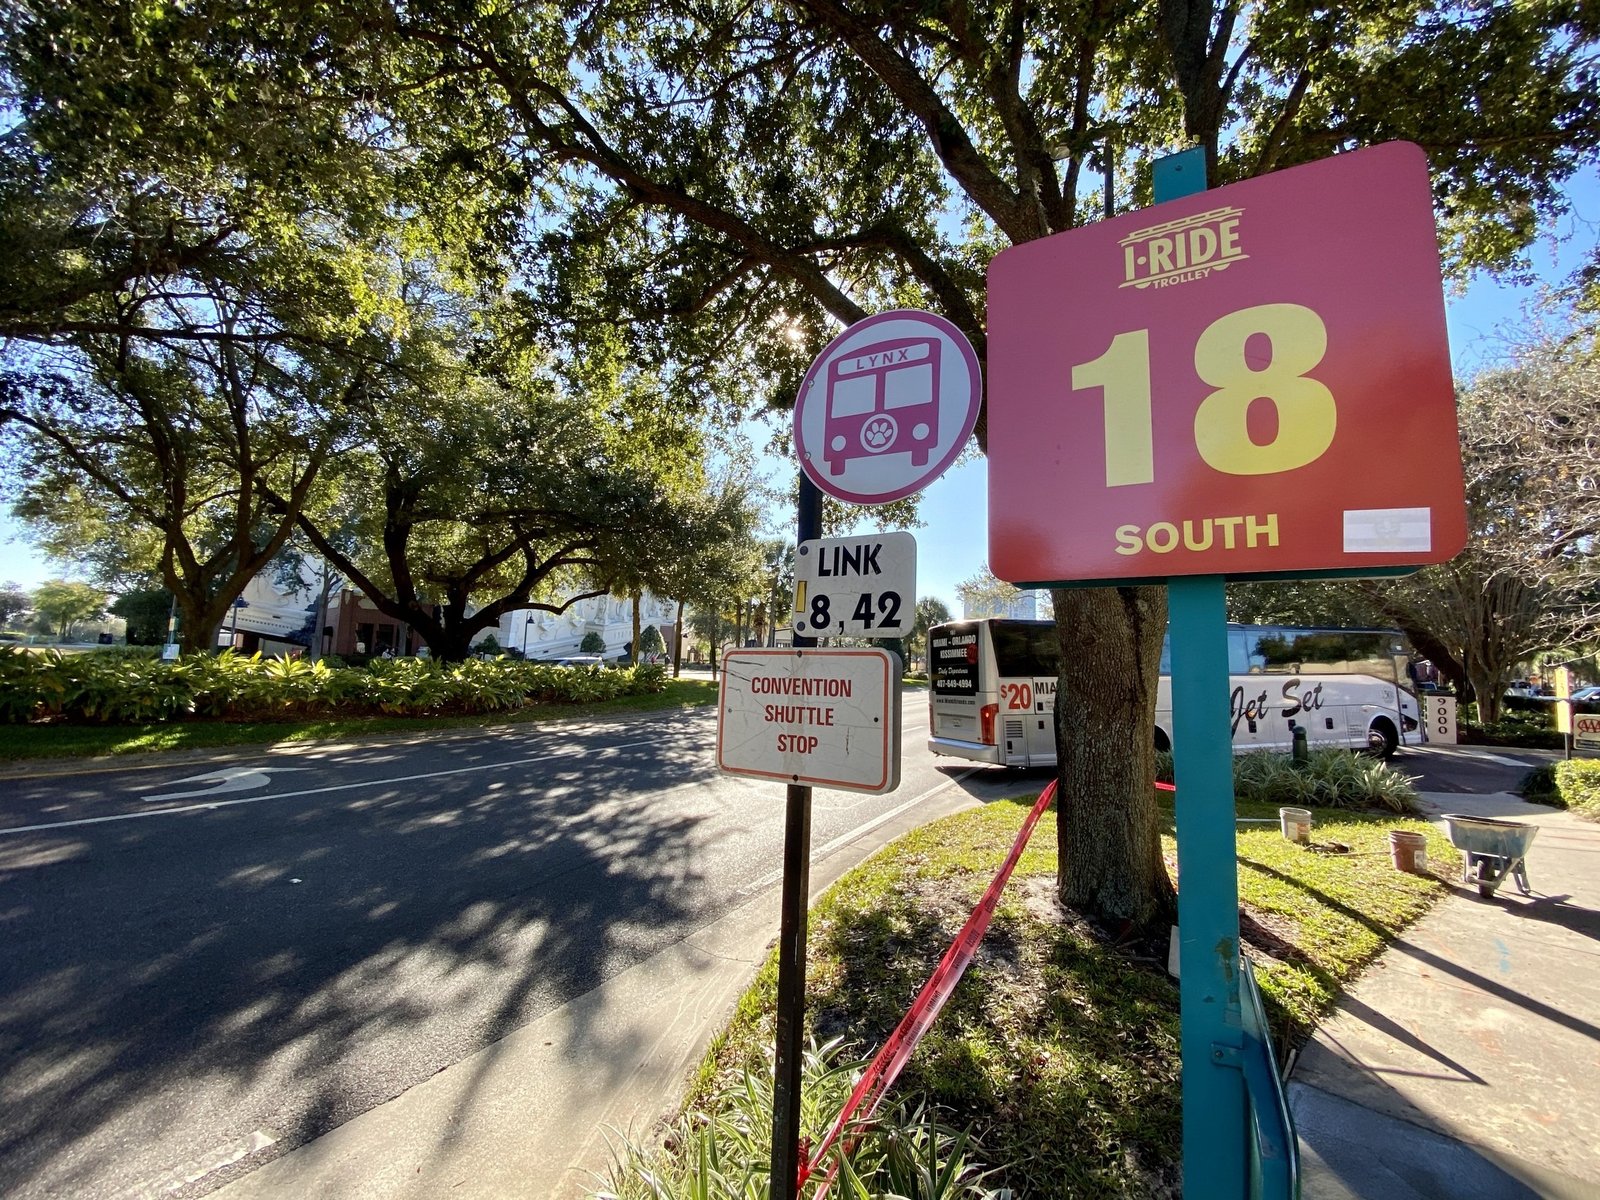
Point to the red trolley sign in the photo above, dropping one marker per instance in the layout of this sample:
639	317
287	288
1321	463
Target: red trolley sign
1250	380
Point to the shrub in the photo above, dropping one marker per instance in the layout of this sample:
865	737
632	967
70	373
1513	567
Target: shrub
1539	785
592	643
122	688
26	679
650	641
1578	784
1332	778
649	678
1530	728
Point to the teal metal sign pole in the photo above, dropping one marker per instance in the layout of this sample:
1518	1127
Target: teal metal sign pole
1214	1113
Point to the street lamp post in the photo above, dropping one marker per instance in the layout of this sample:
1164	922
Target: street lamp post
526	629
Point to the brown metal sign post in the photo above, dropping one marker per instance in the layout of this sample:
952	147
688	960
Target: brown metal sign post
792	935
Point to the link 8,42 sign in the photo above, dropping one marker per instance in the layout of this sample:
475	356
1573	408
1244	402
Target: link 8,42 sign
1250	380
856	586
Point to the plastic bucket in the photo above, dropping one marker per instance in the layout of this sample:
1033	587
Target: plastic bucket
1296	824
1408	851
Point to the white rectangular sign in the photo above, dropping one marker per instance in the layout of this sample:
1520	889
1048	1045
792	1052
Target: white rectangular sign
1586	733
1440	717
856	586
826	717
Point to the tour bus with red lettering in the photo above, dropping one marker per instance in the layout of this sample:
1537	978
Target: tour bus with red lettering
993	684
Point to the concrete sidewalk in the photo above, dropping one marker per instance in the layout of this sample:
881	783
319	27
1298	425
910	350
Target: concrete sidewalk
1466	1062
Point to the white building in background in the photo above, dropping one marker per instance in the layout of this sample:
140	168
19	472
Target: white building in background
544	635
1024	606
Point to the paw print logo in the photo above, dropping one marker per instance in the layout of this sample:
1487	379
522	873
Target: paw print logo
877	433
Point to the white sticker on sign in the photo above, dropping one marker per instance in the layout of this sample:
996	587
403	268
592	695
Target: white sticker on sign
1388	530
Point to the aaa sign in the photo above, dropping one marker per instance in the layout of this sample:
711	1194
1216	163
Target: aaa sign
1250	380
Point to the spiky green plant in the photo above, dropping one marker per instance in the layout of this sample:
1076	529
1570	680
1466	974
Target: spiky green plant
723	1150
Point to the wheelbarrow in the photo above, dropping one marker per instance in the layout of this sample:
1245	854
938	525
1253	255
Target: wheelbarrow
1493	849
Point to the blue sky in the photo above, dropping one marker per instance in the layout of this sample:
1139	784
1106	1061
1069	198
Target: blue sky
952	542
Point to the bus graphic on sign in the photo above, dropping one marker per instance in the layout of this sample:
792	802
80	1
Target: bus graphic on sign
883	399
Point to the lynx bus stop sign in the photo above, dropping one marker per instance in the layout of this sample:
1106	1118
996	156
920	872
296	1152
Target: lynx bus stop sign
887	407
1251	381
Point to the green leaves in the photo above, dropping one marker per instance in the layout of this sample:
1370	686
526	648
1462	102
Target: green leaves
112	688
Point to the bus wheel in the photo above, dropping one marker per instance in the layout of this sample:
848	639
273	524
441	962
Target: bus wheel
1382	738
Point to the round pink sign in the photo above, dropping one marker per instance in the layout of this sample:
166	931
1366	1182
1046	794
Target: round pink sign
887	407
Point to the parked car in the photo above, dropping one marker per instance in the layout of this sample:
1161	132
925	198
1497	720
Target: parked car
1521	687
581	660
1586	695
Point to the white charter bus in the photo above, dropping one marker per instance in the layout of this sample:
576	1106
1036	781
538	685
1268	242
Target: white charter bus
993	685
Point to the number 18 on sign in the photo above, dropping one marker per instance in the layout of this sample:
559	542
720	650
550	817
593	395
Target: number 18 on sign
856	586
1245	381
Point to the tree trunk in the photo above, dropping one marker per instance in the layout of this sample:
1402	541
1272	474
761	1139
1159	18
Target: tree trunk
1486	688
322	615
199	621
633	652
1107	830
677	644
454	644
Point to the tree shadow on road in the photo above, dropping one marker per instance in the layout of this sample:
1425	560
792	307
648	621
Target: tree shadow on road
288	965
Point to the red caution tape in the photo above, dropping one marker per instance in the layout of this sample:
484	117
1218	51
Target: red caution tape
1164	787
886	1064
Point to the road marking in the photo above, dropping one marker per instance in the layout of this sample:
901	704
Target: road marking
231	779
1466	752
199	1167
336	787
844	839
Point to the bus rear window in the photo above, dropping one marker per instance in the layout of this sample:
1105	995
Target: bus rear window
1023	648
953	659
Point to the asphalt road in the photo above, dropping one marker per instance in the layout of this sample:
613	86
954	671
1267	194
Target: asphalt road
201	971
1475	769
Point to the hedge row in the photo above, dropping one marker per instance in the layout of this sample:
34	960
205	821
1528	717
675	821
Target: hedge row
1573	784
114	689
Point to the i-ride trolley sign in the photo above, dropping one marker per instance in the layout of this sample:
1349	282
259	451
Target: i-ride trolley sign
825	718
887	407
1249	380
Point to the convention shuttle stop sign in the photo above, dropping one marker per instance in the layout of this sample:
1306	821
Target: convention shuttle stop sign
1249	380
824	718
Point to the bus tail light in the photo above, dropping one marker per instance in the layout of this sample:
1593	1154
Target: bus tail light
986	719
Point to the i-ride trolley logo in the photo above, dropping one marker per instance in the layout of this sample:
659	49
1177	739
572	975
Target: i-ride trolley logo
1183	250
887	407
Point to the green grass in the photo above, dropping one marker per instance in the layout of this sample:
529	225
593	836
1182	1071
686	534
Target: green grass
1060	1052
1320	918
20	742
